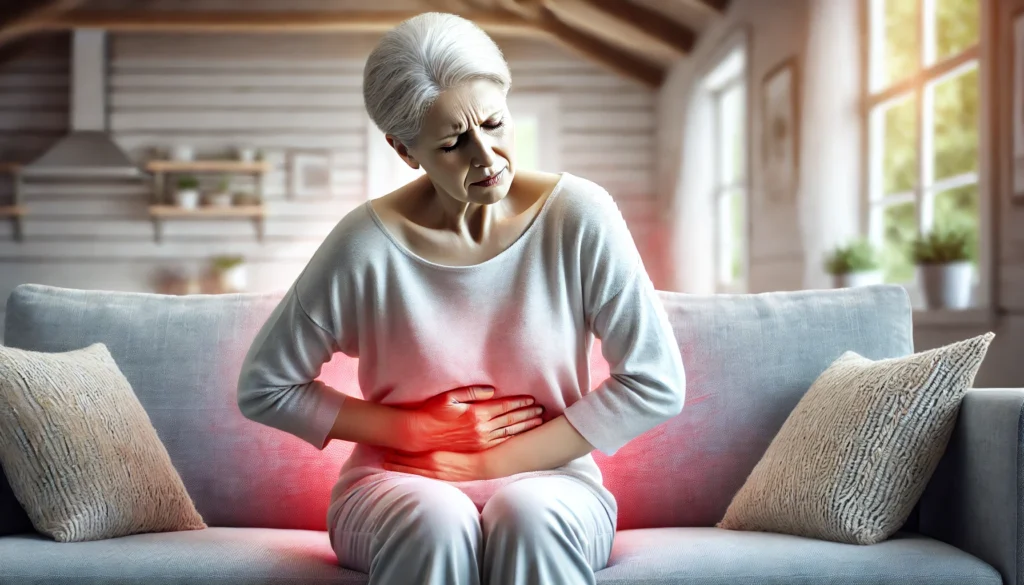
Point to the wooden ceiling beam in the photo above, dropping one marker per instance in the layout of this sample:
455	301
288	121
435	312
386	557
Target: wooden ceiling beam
23	17
541	23
620	62
265	21
629	22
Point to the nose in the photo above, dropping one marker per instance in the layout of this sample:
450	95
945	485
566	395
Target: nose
481	150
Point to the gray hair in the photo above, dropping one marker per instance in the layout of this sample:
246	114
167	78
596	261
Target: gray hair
420	58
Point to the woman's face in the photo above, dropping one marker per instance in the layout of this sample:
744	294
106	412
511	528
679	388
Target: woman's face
467	138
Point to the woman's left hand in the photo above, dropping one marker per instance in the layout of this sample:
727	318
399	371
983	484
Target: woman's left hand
444	465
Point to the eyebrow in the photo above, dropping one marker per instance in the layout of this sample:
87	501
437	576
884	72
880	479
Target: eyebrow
457	128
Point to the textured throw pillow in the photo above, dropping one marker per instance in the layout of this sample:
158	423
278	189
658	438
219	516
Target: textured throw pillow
851	461
80	452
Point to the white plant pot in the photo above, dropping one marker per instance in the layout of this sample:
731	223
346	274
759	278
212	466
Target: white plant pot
187	198
182	152
863	278
246	154
220	199
946	286
235	278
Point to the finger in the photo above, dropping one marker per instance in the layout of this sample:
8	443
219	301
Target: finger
496	408
514	417
497	442
471	393
511	430
524	414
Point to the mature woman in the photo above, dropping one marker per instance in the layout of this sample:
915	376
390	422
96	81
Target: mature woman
471	297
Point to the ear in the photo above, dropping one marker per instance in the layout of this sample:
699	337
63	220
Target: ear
402	150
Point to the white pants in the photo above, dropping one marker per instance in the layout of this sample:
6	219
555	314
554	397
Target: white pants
407	529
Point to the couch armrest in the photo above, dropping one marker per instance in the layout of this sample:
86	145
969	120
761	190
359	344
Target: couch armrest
974	500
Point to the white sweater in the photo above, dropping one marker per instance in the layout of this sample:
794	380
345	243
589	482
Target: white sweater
522	322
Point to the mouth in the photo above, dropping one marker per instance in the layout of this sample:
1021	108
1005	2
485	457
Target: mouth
492	180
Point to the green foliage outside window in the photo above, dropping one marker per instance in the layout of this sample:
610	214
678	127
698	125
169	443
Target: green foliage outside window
956	111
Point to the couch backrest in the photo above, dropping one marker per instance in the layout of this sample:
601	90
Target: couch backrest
748	359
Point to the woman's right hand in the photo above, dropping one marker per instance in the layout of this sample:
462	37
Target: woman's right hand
464	419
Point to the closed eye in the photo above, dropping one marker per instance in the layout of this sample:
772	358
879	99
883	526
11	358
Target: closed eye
458	141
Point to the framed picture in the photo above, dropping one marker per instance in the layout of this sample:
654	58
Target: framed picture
1017	104
310	174
779	132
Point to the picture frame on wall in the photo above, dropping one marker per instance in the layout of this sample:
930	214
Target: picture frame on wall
1017	59
780	132
310	174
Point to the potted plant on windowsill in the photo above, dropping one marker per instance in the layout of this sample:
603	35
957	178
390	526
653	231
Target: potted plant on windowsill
855	264
945	270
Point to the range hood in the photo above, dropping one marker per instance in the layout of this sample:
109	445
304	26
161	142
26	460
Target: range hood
87	151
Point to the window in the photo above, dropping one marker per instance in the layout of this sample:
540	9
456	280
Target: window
537	145
726	86
537	133
924	124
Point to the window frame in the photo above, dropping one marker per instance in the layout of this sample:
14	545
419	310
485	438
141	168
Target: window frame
920	87
716	89
722	190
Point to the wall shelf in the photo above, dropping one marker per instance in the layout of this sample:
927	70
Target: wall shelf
161	211
14	212
208	166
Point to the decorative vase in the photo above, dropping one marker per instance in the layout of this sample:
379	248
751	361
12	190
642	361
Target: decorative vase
246	154
187	198
182	152
862	278
222	199
947	285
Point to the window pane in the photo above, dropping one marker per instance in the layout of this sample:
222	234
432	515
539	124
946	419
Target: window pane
899	154
526	142
958	208
739	233
956	26
902	44
900	225
956	125
730	122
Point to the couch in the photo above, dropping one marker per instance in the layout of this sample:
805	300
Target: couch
749	359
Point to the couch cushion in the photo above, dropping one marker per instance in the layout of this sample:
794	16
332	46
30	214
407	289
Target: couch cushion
213	555
712	556
749	359
80	451
659	556
182	356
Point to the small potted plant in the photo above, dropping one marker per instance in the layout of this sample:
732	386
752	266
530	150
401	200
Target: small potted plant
227	274
245	153
945	270
183	152
855	264
187	193
222	196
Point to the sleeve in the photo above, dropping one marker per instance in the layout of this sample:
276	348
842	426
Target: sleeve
647	384
277	385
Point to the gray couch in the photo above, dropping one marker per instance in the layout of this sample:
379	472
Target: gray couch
749	359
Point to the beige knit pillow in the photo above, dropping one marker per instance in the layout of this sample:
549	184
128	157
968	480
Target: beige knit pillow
854	456
80	452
